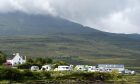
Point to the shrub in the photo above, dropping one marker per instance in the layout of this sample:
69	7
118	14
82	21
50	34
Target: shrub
37	75
46	75
10	74
28	65
88	76
28	73
2	58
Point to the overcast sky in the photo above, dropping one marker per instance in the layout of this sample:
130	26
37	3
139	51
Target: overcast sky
118	16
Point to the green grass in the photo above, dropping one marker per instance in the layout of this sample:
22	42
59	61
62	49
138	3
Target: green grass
131	79
70	48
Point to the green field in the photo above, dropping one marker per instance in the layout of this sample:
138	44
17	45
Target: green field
75	78
71	48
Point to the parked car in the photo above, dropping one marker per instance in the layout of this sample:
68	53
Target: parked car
34	68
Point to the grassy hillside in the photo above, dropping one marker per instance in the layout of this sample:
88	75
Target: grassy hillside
47	36
75	49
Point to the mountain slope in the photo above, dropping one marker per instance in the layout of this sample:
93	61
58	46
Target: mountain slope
20	24
47	36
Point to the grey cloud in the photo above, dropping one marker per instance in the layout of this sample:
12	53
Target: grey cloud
119	16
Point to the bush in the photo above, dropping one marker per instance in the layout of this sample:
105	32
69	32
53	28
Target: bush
25	66
46	75
115	75
37	75
49	61
89	76
58	63
40	61
15	74
2	58
28	65
28	73
10	74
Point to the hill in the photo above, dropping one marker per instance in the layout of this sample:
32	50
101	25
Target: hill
47	36
23	24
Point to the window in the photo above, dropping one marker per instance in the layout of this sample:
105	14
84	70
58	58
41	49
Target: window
43	69
67	67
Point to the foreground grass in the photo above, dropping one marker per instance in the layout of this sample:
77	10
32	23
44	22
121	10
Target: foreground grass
15	76
126	79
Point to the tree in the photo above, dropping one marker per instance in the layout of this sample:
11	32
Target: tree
2	58
30	60
58	63
40	61
10	74
49	61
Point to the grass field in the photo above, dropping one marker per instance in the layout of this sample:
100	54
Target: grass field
126	79
72	49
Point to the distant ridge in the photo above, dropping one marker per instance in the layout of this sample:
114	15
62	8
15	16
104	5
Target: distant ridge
23	24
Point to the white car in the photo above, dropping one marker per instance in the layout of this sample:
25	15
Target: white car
34	68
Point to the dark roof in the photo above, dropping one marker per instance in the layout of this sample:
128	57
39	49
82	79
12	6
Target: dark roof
12	56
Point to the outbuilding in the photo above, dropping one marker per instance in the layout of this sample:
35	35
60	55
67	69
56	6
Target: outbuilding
110	67
46	67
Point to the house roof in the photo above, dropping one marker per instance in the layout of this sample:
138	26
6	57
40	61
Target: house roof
111	65
12	56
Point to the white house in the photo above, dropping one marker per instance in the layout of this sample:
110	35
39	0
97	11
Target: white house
16	59
65	68
46	67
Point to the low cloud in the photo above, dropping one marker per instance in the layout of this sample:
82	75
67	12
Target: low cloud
118	16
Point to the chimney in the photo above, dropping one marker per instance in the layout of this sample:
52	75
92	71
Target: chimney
17	54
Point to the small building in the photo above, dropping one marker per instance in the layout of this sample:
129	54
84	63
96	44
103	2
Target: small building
34	68
65	68
16	59
109	67
46	67
81	67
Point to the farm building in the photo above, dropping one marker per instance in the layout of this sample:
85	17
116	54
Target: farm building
16	59
110	67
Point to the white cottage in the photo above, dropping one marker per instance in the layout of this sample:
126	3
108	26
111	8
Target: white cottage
16	59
